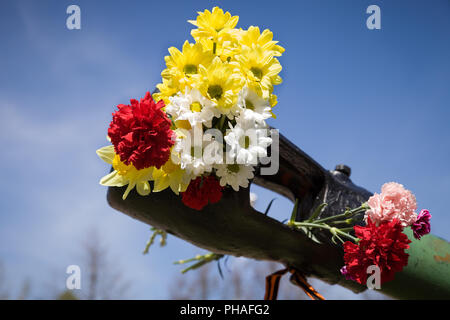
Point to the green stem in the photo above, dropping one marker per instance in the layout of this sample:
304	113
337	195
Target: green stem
221	122
317	212
327	219
346	221
156	232
202	260
339	238
327	227
346	214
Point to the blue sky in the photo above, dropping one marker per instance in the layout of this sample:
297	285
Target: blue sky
376	100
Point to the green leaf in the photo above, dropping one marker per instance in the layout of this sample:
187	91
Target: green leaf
294	213
317	212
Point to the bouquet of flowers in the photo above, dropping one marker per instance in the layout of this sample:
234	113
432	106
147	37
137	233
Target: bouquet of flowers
382	241
205	129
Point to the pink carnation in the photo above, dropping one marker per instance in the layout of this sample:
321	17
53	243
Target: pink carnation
394	202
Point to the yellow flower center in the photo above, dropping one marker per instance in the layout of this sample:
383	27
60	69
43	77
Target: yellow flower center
215	91
234	168
196	107
190	69
257	72
244	141
249	104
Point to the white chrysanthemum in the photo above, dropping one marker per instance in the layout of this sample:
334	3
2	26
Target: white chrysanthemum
246	140
249	100
235	175
193	107
189	146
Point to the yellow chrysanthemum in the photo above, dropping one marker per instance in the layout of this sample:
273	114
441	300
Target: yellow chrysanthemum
225	46
183	65
253	36
124	174
221	83
213	24
167	89
170	175
260	68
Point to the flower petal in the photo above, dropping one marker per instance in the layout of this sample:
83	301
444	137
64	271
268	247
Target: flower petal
130	187
113	180
161	183
143	188
106	154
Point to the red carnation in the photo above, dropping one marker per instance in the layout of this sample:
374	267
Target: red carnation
201	191
383	246
141	133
